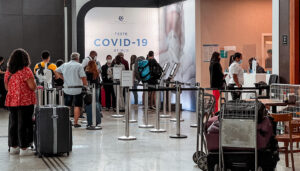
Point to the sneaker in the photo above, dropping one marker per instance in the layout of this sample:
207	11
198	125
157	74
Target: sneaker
27	152
77	125
81	116
13	150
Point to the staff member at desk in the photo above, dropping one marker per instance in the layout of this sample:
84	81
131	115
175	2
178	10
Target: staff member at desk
236	74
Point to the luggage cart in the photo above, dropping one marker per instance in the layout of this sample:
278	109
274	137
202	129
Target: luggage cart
204	109
238	125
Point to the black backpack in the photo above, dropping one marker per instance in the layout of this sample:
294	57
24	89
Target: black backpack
155	70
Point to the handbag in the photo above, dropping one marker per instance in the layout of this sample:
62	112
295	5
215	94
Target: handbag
88	98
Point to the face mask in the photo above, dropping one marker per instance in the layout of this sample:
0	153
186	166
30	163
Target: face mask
109	61
241	61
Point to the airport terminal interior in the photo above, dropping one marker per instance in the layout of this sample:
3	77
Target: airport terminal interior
149	85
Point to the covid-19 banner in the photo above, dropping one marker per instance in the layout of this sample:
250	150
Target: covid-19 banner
133	31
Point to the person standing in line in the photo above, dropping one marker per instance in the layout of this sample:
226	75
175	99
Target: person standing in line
118	63
123	60
21	98
236	74
39	69
132	64
92	56
107	77
73	75
58	82
217	78
93	78
3	91
155	73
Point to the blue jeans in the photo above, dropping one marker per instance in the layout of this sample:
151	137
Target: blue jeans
135	93
88	110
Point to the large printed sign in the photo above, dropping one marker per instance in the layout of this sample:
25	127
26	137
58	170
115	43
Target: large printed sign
133	31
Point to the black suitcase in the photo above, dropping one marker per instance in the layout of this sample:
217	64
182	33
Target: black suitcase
53	130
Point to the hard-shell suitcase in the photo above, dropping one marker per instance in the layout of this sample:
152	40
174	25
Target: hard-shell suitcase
53	130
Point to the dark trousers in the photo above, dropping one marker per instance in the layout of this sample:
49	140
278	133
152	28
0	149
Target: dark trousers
20	129
110	97
3	93
235	95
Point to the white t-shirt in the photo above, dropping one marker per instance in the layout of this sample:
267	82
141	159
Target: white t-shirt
235	68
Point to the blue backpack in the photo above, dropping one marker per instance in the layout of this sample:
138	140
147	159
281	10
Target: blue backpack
144	70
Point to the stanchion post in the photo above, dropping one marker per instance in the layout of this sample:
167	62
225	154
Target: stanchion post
54	96
118	115
178	87
127	136
130	120
157	129
165	115
195	125
178	111
94	111
146	125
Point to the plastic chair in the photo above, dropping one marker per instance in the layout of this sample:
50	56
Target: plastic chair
288	138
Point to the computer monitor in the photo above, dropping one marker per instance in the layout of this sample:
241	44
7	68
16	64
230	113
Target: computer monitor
165	67
174	69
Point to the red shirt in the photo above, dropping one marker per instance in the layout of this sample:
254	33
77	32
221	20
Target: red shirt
19	93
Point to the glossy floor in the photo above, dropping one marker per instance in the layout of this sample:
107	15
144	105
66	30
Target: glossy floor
101	150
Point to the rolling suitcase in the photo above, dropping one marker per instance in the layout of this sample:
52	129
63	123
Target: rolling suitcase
53	131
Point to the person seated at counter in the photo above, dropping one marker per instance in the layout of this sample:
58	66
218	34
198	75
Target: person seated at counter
259	69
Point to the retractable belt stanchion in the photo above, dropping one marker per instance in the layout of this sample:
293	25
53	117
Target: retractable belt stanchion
165	115
118	115
195	125
180	118
130	114
127	137
178	111
146	125
157	128
94	111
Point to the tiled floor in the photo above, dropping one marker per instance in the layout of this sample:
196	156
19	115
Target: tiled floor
101	150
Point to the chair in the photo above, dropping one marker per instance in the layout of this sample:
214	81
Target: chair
288	138
273	79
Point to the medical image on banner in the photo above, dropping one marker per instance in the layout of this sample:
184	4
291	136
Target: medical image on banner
177	44
133	31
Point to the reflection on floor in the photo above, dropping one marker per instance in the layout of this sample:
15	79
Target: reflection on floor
101	150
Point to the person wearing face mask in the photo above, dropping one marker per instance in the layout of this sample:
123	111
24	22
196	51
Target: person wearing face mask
92	56
107	77
217	78
236	74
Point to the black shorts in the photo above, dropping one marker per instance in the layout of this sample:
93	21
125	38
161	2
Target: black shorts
73	100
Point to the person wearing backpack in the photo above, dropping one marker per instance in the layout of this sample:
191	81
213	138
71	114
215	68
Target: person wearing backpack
92	56
42	73
155	74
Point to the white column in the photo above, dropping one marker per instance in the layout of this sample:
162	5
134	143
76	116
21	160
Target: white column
275	36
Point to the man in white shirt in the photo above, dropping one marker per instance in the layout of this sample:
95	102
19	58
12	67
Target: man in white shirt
93	56
236	74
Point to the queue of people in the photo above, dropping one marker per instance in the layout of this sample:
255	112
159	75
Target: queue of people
19	83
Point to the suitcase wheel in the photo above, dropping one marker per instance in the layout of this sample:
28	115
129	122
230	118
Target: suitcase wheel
197	155
202	163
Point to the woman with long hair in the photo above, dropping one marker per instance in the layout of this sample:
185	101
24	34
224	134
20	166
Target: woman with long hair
135	93
216	77
20	99
93	78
